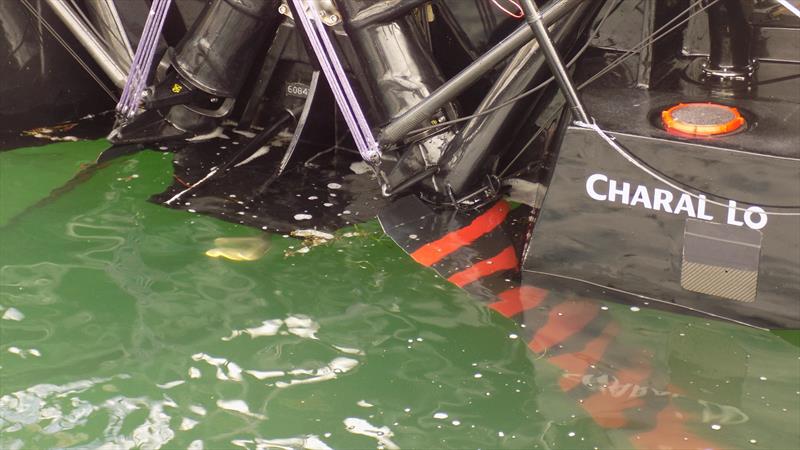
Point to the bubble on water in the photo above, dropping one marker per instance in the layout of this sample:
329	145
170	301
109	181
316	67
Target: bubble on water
716	427
408	410
571	434
762	378
334	186
364	404
456	422
753	441
303	216
327	205
513	336
440	415
194	372
635	308
501	434
478	375
604	308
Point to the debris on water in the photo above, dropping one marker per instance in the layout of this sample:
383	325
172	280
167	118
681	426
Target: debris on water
171	384
312	234
194	372
239	248
364	404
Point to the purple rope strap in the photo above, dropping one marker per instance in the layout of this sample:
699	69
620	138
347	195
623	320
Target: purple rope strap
143	59
338	81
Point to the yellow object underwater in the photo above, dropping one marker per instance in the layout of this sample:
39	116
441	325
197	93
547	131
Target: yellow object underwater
239	248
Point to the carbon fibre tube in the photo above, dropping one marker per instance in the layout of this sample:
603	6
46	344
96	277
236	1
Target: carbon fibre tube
467	159
399	127
217	52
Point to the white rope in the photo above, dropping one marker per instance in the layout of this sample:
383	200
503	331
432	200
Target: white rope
625	154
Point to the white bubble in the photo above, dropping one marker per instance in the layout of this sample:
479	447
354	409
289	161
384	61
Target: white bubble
334	186
478	375
440	415
716	427
302	216
635	308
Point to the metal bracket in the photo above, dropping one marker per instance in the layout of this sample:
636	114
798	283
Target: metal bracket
327	9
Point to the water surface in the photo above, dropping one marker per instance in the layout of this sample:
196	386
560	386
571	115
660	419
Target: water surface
119	331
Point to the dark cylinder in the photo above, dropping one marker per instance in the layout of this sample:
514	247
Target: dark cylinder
399	66
730	36
464	162
219	49
400	127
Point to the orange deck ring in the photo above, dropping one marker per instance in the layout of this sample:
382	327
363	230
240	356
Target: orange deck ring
675	124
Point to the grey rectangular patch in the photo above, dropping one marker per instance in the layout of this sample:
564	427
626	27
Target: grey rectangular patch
720	260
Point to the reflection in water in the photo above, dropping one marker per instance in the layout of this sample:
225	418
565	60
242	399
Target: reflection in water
144	342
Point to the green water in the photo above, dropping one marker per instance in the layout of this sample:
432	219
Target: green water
119	332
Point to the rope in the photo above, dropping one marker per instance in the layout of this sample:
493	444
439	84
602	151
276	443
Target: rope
338	81
143	60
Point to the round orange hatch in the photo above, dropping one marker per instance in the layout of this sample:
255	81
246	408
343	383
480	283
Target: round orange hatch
702	119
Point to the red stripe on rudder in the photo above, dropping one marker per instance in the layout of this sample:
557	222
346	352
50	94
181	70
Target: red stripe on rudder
433	252
578	363
505	260
564	320
518	299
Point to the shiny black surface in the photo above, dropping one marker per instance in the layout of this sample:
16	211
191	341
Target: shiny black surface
219	49
485	138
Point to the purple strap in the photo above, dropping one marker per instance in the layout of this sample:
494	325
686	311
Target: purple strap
143	59
338	81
